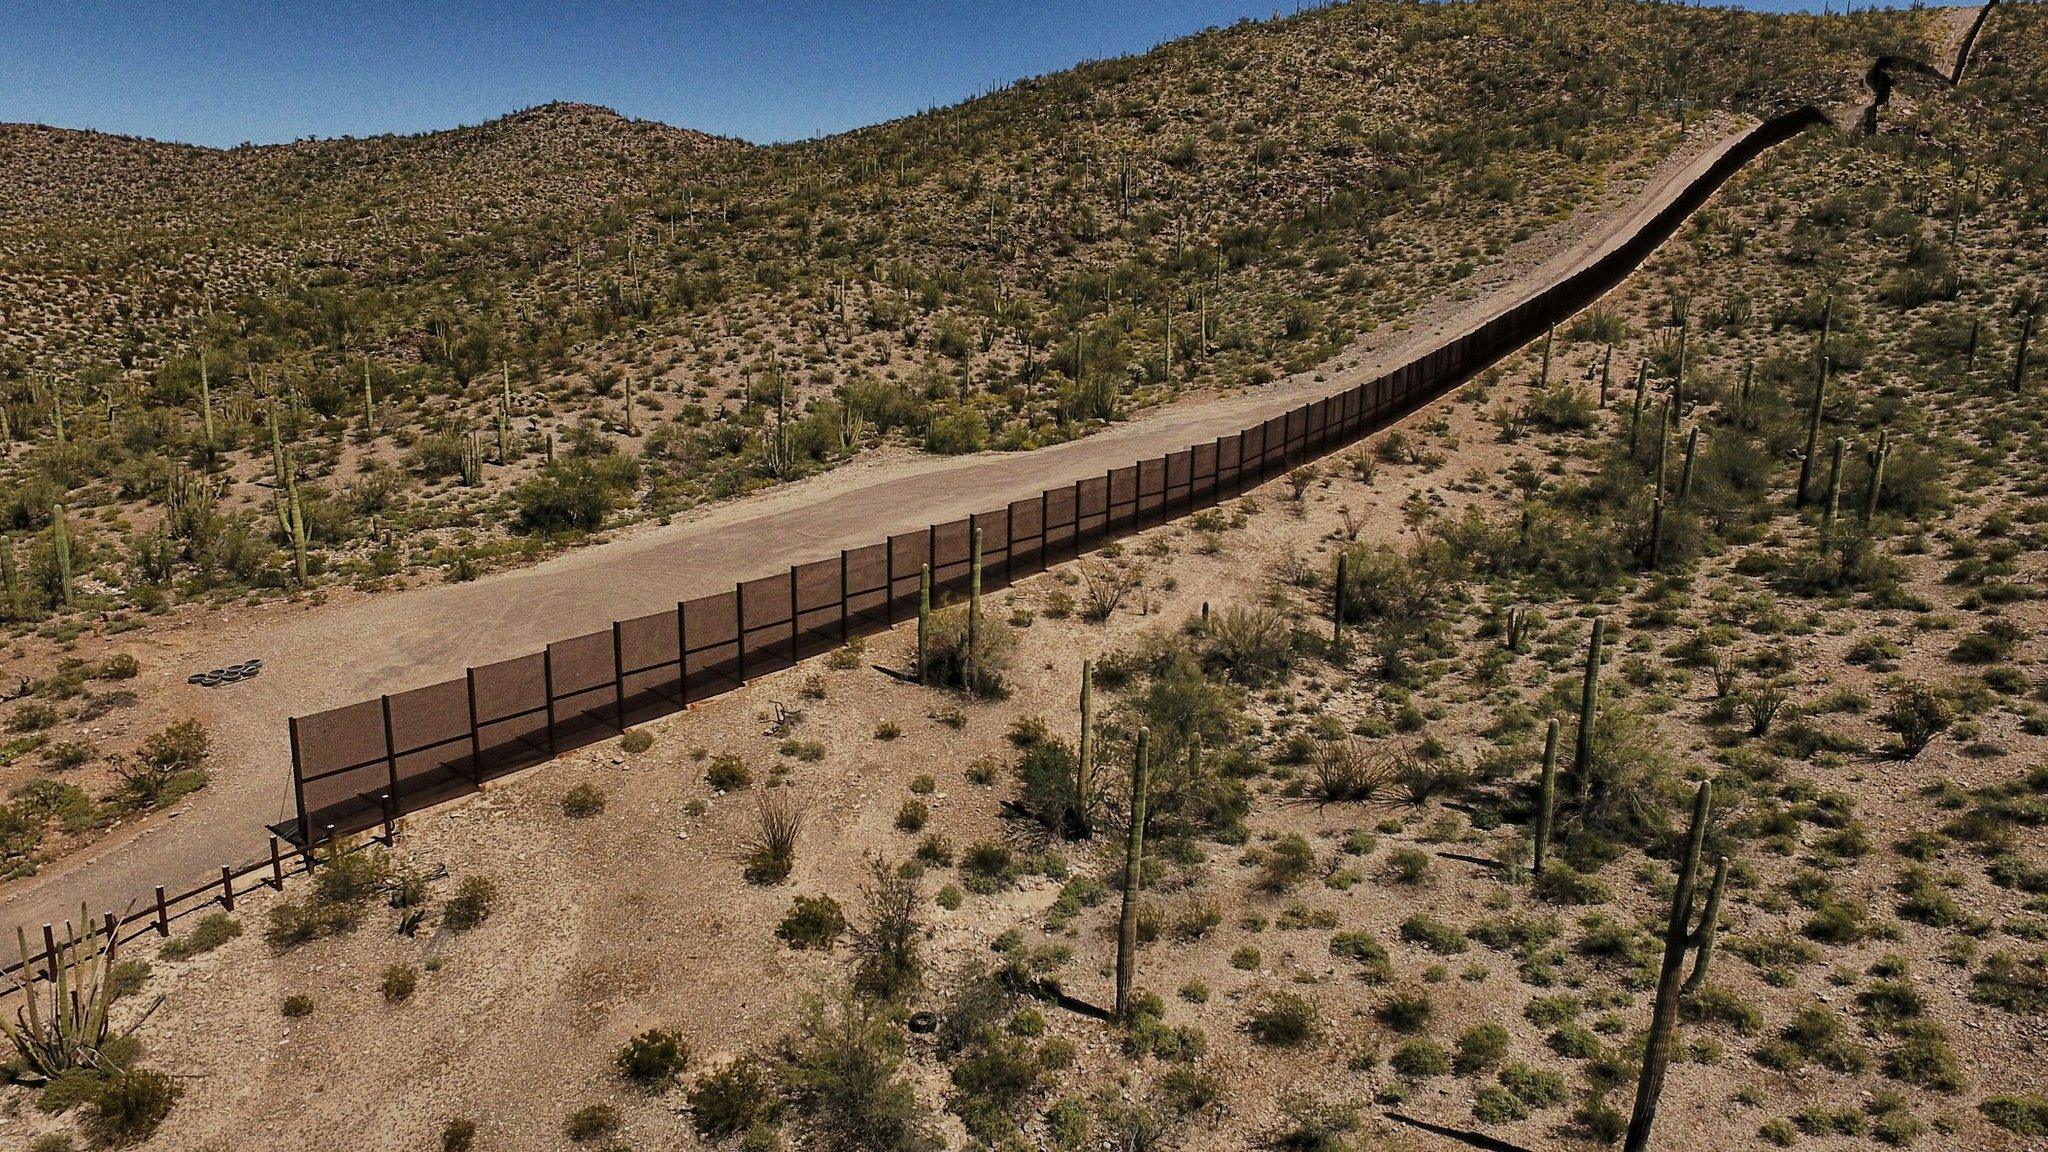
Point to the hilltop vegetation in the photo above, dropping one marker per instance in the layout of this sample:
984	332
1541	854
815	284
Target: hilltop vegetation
270	367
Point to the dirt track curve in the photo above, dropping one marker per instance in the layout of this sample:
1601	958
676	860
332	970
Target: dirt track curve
354	646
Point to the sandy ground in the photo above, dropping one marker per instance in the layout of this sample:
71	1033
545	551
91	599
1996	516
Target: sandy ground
346	646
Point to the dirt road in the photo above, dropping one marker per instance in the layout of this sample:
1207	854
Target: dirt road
354	646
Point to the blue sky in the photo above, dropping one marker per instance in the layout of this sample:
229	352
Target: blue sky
222	72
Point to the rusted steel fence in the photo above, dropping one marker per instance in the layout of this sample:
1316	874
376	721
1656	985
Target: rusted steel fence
351	765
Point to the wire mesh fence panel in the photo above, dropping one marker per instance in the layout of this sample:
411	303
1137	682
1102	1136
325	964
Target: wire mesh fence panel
909	553
1202	476
995	547
867	587
711	631
766	642
1151	489
340	759
585	690
952	544
1179	479
1062	522
650	665
820	620
430	735
1027	537
1123	499
512	713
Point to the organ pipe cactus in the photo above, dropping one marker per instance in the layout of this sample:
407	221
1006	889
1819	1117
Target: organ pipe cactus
1679	937
1134	863
63	1021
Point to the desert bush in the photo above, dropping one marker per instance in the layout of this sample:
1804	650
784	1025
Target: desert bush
728	773
654	1058
812	922
846	1078
1435	935
770	850
572	495
1420	1058
1480	1047
1370	954
1288	861
1104	585
1407	866
1405	1009
583	801
2020	1114
471	904
636	741
1916	714
1253	645
458	1135
912	815
129	1104
168	763
591	1122
398	983
1352	771
212	931
732	1099
1285	1020
296	1006
947	662
1050	789
889	965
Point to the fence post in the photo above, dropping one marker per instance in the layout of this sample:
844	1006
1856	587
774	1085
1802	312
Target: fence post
1009	542
276	866
390	820
227	888
739	629
50	952
1044	529
682	658
547	680
390	745
112	926
793	630
889	579
299	784
619	675
931	550
476	740
843	633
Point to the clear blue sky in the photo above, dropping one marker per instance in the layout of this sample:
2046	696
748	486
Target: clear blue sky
222	72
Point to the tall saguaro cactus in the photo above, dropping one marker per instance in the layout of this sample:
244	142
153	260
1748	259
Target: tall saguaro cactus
1832	505
1134	862
205	399
1820	391
1546	798
1680	936
60	546
1589	701
1692	451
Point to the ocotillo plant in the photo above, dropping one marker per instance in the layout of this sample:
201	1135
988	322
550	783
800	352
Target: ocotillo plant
1084	786
1820	391
1679	936
1546	797
1134	863
60	547
1874	487
1589	698
924	620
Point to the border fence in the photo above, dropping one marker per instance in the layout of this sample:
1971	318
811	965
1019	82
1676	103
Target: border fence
361	766
364	763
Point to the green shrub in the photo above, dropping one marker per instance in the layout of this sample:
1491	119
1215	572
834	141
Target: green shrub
583	801
1407	865
812	922
591	1122
398	983
912	816
636	741
1405	1009
1536	1087
1434	935
127	977
1376	967
129	1105
458	1136
296	1006
728	773
653	1058
732	1099
2022	1115
1289	860
1285	1020
471	904
1560	883
1480	1047
1420	1058
212	931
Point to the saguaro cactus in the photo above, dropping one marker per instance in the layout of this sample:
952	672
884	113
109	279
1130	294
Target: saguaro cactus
1511	634
1635	420
1589	699
2019	362
60	546
205	399
1874	487
10	575
369	403
1656	556
1546	797
1678	377
1134	863
1606	373
1692	451
297	524
1549	338
1833	503
924	621
1679	936
1663	448
1820	391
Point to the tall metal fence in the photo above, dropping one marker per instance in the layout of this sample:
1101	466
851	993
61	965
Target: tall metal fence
361	764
